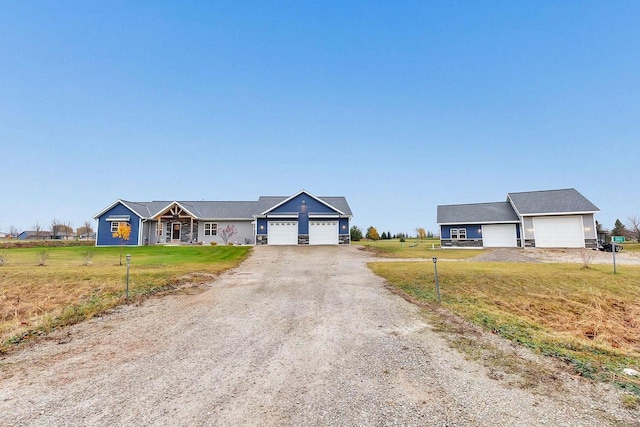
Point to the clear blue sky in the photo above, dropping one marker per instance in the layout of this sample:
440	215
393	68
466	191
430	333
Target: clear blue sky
399	106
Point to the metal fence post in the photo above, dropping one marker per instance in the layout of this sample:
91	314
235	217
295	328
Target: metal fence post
435	268
613	250
128	264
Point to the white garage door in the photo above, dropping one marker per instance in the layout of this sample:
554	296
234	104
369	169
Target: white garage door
499	236
283	233
558	232
323	232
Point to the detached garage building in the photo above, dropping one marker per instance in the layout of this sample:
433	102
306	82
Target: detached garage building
544	219
300	219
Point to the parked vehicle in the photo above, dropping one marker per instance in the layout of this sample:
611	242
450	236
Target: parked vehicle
608	246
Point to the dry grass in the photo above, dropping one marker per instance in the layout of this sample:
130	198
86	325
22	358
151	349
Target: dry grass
589	318
414	248
67	289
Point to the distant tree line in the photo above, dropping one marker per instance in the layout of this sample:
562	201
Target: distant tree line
373	234
57	230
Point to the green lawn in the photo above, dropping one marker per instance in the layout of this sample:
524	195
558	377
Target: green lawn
67	289
414	248
631	246
589	318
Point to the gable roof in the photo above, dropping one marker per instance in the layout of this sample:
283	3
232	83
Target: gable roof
567	200
476	213
272	202
223	209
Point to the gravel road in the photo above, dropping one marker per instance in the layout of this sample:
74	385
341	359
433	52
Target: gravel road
300	336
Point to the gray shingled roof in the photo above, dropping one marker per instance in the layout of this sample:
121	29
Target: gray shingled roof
339	203
267	202
476	213
551	201
226	209
221	210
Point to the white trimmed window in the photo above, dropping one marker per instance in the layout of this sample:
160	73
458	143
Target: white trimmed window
159	228
459	233
210	228
114	226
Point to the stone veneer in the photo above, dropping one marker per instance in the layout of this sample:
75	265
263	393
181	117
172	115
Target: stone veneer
448	243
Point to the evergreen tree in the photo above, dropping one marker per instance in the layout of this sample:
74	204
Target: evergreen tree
619	229
356	234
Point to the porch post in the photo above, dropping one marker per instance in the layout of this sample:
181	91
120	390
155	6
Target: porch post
191	232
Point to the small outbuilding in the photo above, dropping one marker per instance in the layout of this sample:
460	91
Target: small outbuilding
545	219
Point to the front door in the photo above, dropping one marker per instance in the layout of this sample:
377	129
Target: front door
175	232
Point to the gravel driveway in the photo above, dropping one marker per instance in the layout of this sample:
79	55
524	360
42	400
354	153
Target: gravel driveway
294	336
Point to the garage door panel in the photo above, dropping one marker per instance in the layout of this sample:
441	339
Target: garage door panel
283	233
558	232
499	236
323	232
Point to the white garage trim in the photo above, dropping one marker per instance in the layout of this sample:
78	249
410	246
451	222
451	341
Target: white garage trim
499	236
558	232
282	232
323	232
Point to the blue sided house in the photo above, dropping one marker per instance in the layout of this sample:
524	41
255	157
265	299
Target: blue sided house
544	219
300	219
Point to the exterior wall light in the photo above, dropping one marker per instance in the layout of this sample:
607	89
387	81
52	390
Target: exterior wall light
262	227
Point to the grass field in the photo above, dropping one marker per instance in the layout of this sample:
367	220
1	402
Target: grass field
414	248
589	318
35	299
631	247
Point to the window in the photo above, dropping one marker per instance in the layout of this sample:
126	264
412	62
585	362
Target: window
159	228
459	233
114	226
210	228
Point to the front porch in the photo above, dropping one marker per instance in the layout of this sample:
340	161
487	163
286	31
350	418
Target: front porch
174	225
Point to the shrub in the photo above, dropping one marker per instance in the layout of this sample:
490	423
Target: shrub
41	256
587	256
87	256
213	243
356	234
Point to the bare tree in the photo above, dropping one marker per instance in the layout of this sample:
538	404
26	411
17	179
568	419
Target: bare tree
13	232
634	227
68	230
587	256
227	232
86	229
38	229
56	228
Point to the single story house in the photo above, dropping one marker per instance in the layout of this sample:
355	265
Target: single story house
35	235
300	219
544	219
